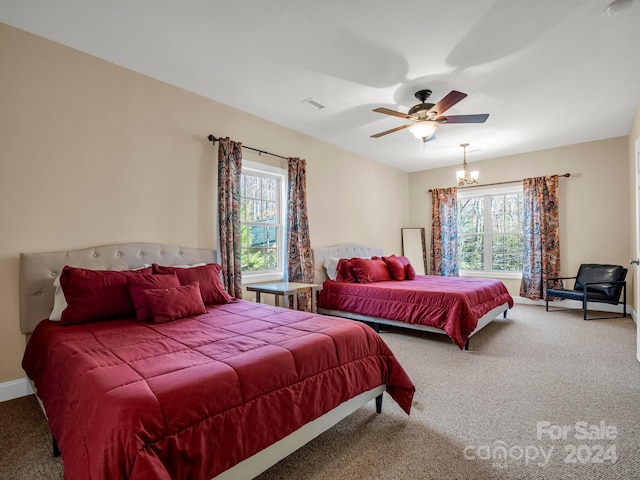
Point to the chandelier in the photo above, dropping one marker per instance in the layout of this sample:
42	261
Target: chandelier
464	176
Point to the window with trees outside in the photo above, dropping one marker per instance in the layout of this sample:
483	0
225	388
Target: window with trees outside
262	200
490	230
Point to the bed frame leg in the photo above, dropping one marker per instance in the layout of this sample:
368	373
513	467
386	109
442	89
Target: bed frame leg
379	404
56	450
374	325
466	345
504	314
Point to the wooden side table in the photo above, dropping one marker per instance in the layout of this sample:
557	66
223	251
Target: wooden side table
287	290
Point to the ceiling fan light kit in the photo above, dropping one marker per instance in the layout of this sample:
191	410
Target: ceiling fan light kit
464	176
424	129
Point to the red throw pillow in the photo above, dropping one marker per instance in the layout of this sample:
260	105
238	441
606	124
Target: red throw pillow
370	270
409	271
138	285
395	266
345	271
94	295
207	276
404	260
169	304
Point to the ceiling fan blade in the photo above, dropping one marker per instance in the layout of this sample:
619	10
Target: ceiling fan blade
479	118
391	131
386	111
447	102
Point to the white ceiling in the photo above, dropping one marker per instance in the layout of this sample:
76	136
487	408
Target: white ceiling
549	72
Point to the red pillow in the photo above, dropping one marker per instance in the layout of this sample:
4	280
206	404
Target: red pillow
208	277
404	260
395	266
345	271
370	270
94	295
138	285
169	304
409	271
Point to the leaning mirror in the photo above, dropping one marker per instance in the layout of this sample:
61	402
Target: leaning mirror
413	247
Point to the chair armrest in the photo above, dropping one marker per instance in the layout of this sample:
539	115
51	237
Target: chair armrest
615	282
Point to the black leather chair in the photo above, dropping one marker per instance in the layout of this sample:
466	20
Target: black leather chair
593	283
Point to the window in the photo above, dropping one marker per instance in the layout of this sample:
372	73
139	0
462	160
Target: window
262	200
490	225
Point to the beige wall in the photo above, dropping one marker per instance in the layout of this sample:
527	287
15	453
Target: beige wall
634	134
594	201
92	153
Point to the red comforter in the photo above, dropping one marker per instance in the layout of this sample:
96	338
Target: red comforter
452	304
193	397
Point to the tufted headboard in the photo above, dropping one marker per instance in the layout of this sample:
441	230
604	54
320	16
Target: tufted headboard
342	250
38	270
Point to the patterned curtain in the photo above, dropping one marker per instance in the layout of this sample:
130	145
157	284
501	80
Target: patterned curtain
444	232
300	261
541	236
229	171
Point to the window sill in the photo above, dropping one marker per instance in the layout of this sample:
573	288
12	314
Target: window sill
490	274
261	278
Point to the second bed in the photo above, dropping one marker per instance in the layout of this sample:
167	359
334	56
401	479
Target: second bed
458	307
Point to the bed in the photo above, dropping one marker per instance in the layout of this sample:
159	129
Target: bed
224	393
457	307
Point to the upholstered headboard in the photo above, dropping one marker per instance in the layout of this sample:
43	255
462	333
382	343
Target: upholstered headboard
342	250
38	270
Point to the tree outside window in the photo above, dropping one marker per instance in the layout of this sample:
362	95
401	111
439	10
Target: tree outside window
490	229
261	227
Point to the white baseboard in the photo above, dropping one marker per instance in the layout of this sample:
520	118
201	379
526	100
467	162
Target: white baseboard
15	389
574	304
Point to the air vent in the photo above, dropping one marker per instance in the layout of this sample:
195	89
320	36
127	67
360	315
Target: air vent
313	103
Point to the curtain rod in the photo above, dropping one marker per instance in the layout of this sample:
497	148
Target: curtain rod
213	139
499	183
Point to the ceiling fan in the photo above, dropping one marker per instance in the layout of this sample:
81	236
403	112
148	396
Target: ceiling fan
427	117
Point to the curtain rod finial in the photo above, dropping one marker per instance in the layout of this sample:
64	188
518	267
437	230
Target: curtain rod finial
211	138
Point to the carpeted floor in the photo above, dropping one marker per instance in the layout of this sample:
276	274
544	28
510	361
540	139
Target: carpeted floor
538	396
25	442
